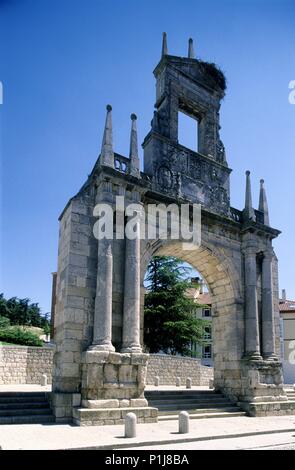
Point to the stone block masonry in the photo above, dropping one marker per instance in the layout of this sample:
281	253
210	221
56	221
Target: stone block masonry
167	368
25	364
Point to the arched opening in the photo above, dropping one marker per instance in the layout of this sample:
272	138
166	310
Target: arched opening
218	272
165	277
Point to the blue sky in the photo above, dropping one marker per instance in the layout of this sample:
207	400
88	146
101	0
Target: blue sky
62	61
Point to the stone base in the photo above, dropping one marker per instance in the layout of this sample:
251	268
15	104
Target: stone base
113	376
62	405
271	408
105	416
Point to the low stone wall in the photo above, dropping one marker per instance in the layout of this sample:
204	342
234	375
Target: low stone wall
167	368
25	364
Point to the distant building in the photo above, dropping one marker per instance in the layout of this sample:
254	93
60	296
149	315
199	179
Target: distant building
287	334
287	329
197	294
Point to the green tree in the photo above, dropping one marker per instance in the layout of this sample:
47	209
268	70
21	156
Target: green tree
23	312
169	321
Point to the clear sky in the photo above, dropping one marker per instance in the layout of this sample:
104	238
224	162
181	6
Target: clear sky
62	61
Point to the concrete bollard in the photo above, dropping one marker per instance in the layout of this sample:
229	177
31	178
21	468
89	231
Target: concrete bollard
211	384
183	422
130	425
157	381
178	382
188	382
44	380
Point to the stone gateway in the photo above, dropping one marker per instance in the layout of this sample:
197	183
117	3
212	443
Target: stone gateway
99	372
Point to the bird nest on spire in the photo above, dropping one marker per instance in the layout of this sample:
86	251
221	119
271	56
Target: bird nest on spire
213	71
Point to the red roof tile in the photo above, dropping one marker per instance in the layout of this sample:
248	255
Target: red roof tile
287	305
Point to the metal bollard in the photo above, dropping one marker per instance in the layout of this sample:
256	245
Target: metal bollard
157	381
211	384
183	422
188	382
293	386
44	380
130	425
178	382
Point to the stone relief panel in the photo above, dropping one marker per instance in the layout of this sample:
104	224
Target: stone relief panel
184	174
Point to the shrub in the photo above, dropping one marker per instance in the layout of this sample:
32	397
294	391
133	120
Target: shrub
4	322
16	335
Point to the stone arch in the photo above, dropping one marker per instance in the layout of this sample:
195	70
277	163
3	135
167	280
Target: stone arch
224	282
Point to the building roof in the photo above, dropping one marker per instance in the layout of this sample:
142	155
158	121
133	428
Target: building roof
205	298
287	306
194	293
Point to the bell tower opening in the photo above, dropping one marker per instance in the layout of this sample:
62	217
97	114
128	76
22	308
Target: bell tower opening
188	130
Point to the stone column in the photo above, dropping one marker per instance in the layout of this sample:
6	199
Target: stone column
252	343
131	316
268	336
102	328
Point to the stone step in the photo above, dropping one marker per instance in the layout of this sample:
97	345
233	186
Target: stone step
188	401
28	398
178	407
27	419
203	410
205	415
25	412
27	405
173	393
14	401
101	416
22	394
182	397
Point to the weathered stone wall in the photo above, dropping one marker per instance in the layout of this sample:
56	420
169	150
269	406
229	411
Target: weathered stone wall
25	365
76	282
167	368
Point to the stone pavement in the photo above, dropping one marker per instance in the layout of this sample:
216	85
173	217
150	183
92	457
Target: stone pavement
281	441
24	388
39	388
53	436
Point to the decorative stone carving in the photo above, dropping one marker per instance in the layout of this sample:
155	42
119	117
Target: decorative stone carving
165	177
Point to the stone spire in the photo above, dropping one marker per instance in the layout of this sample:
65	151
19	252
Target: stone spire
249	212
107	153
263	206
133	154
191	52
164	45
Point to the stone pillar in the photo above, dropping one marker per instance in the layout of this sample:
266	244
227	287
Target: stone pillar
252	343
131	315
268	335
102	328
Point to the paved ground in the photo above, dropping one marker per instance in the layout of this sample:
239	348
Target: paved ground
281	441
24	388
37	388
275	432
52	436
